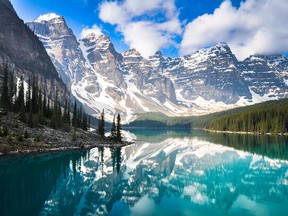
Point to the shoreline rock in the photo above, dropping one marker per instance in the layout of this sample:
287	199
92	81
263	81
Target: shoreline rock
24	140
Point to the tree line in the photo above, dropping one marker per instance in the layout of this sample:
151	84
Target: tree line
115	133
269	117
35	108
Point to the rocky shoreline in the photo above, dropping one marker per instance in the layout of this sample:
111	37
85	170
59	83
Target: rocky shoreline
20	139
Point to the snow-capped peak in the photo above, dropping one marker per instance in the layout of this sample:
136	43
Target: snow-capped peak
158	54
255	58
91	33
47	17
221	44
209	80
222	47
95	37
131	52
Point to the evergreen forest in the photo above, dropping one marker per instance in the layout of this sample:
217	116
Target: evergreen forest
268	117
30	104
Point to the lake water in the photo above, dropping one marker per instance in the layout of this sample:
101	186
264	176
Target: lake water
163	173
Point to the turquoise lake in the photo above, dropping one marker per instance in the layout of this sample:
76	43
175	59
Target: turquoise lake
163	173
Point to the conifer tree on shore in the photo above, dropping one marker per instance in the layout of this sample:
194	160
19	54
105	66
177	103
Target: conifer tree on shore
101	124
5	91
118	129
37	108
113	130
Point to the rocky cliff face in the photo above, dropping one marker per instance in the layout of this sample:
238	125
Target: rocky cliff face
24	52
262	79
62	46
206	81
212	74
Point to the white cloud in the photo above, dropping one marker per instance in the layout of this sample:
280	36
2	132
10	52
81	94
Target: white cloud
256	27
137	21
94	30
139	7
113	13
145	37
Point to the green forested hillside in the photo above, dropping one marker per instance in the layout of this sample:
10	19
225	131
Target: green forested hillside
268	117
159	120
271	116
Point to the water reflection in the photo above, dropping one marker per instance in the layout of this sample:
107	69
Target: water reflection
180	174
27	181
272	146
116	158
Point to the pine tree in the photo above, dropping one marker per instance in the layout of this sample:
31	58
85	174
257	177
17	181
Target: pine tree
79	117
59	114
40	103
65	113
48	110
44	104
30	119
113	130
34	95
20	100
74	118
5	92
118	132
12	89
101	125
28	96
68	113
56	113
55	109
84	122
41	107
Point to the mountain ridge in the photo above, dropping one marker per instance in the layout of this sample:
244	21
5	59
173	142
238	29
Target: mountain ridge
208	80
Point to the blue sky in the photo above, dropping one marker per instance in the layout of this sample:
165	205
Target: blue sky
176	27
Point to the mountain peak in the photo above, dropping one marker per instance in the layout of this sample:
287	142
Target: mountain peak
103	37
222	47
221	44
47	17
131	52
92	34
158	54
94	37
255	58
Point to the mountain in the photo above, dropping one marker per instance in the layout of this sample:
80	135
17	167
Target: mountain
208	73
24	52
263	79
61	45
205	81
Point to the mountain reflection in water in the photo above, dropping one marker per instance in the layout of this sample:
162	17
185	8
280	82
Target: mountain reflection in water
164	173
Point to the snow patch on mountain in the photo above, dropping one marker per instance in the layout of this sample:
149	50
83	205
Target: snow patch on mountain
205	81
47	17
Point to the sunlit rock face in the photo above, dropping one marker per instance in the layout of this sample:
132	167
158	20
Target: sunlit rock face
211	73
206	81
61	45
266	75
